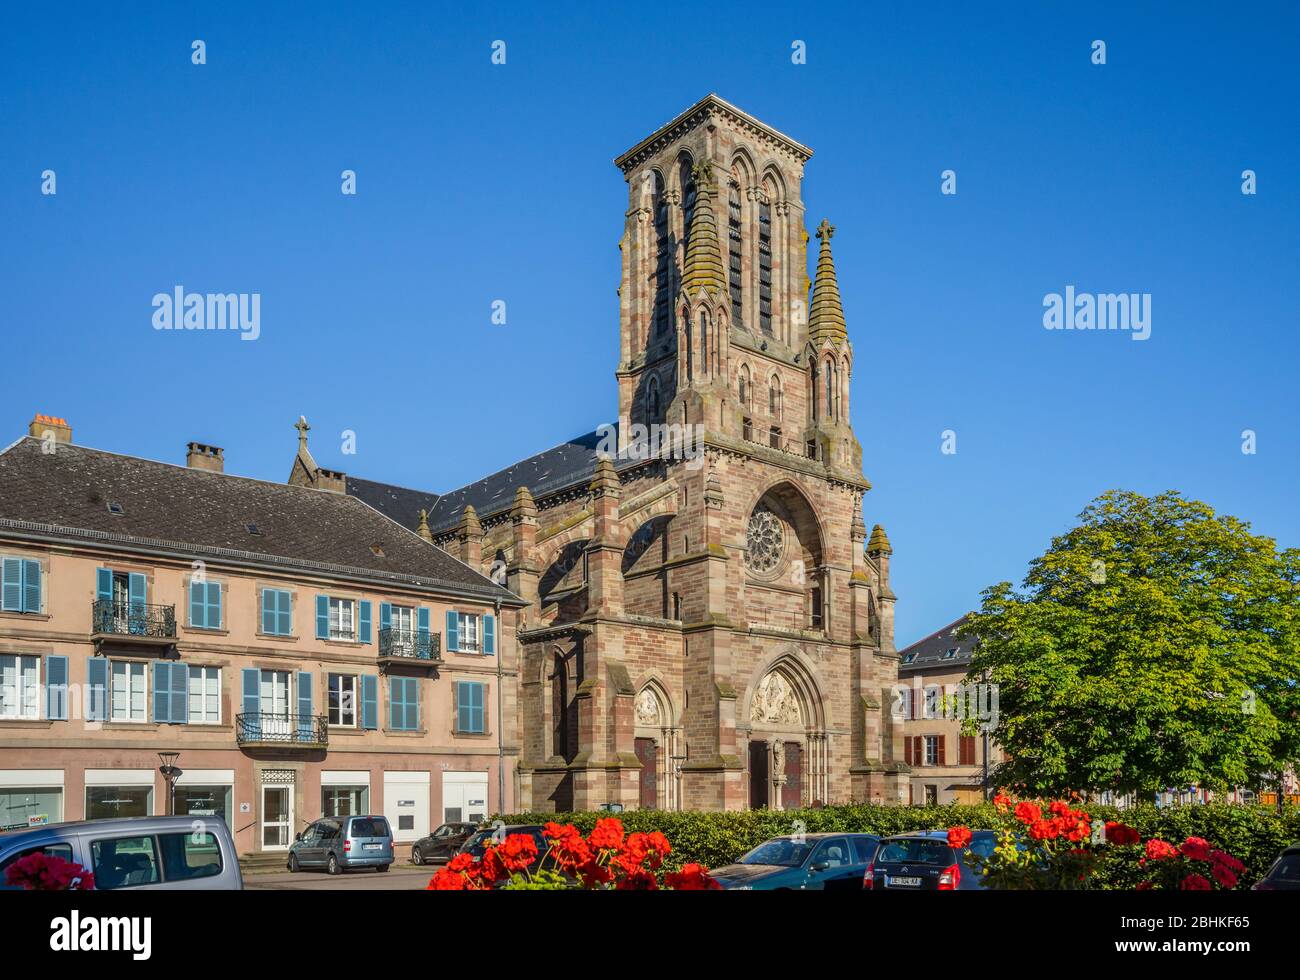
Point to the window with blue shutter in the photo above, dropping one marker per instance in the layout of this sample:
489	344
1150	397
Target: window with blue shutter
322	617
252	694
363	621
404	704
369	701
305	719
453	630
56	688
205	605
97	692
469	708
171	693
20	585
422	626
489	634
276	612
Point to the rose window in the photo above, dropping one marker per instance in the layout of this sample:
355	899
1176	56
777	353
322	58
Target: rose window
766	541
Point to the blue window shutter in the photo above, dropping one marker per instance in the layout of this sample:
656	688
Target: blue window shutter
453	630
270	606
489	634
162	689
97	695
56	688
322	617
412	704
252	688
137	589
462	706
215	619
103	584
285	614
12	585
396	714
369	701
304	704
31	586
422	623
198	607
479	726
385	615
180	692
363	621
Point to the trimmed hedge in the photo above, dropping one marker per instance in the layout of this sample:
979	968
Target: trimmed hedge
1253	834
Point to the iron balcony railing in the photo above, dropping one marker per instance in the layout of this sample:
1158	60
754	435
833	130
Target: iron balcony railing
414	644
133	619
280	729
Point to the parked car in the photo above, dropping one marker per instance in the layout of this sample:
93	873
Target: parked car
808	862
1284	875
136	852
339	843
478	841
923	861
442	843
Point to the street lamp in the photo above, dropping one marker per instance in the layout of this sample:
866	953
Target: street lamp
171	772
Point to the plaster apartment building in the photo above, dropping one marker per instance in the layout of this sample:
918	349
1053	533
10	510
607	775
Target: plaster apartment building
710	624
304	654
946	762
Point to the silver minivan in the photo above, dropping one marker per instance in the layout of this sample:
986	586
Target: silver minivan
338	843
136	852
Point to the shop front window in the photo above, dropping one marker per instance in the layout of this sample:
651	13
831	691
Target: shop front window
118	801
34	807
344	801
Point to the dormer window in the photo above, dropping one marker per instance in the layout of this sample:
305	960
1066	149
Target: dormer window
908	658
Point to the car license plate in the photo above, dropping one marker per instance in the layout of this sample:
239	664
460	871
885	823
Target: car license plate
373	847
902	882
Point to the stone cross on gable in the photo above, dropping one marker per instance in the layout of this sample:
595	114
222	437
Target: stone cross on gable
825	230
302	427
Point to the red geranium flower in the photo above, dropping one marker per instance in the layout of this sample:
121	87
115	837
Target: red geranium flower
958	837
518	852
637	881
1227	860
1224	876
608	835
1028	813
1001	801
1195	883
1196	848
1044	830
1121	834
1158	850
446	880
48	872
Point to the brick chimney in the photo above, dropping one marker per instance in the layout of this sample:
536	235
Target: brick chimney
45	426
201	457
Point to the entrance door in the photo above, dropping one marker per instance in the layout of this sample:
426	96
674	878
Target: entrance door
792	791
757	775
647	753
275	703
464	797
277	817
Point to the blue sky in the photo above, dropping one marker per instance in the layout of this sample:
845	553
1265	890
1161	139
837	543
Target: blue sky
479	182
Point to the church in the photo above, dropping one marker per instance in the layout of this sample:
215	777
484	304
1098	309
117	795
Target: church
709	624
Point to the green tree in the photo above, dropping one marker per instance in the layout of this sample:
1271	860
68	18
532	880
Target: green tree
1156	644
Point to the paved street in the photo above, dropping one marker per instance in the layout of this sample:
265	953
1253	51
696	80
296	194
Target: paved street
401	877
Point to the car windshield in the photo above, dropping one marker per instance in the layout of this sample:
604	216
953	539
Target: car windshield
1287	868
782	851
370	827
915	850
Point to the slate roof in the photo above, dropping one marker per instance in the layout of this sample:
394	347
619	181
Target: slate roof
569	464
175	509
931	652
400	504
